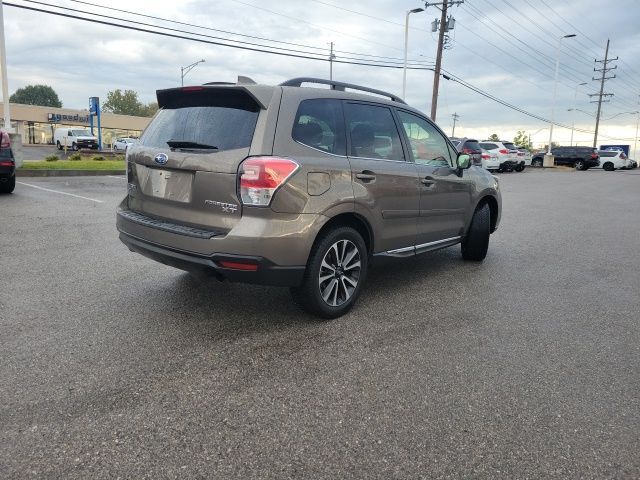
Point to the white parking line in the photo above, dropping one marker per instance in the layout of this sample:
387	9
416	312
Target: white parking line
61	193
122	177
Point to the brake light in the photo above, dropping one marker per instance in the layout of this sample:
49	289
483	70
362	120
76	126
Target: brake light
467	151
5	141
504	151
260	177
521	154
623	156
485	156
594	155
192	89
6	163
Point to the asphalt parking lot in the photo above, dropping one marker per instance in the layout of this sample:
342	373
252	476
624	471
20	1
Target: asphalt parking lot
525	366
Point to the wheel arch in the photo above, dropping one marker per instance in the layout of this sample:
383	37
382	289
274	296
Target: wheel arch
494	210
353	220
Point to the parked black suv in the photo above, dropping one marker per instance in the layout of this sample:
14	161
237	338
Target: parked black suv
7	165
581	158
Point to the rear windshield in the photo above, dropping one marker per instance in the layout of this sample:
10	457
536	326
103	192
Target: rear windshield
510	145
222	127
489	146
472	145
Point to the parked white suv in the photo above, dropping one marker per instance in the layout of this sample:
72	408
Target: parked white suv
507	156
490	161
611	160
123	143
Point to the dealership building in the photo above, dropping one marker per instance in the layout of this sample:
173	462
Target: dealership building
36	124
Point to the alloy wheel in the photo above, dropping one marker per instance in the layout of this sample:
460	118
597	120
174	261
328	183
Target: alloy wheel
339	273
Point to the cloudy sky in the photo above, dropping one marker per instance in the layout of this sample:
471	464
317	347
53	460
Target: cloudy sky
504	47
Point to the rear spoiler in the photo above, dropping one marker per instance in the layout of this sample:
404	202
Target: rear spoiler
245	97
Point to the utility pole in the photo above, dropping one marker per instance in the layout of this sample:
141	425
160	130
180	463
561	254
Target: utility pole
331	58
635	143
5	81
602	79
444	27
455	119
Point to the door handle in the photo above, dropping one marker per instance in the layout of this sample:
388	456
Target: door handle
428	181
366	176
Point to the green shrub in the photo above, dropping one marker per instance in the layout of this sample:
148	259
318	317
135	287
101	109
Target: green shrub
98	158
119	158
76	157
51	158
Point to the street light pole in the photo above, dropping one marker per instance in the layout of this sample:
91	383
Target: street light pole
573	116
555	90
187	69
406	45
635	143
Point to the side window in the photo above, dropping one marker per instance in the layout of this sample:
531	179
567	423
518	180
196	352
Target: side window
373	132
319	124
69	133
428	146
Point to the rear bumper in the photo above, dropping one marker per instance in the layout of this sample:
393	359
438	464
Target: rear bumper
266	272
590	163
7	172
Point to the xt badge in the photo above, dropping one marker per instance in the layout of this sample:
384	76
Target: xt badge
226	207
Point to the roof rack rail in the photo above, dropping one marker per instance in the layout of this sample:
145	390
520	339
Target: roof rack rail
297	82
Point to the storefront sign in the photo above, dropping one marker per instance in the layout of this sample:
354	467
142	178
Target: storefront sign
57	117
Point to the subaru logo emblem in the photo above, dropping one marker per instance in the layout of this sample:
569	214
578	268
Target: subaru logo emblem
161	158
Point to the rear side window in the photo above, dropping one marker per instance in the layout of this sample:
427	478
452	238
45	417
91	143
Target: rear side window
510	145
319	124
373	132
225	120
607	154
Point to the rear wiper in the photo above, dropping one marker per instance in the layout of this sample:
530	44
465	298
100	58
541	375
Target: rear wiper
188	144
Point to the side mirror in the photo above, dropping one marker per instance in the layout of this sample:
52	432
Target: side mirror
463	161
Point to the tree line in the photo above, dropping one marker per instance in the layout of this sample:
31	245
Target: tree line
121	102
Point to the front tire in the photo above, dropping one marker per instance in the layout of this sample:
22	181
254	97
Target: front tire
580	165
8	186
476	242
74	146
335	274
58	145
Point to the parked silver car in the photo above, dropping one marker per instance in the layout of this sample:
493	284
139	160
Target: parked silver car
300	187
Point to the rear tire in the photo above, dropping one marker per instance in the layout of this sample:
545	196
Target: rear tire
520	168
476	242
74	146
58	145
536	162
8	186
579	165
335	274
608	166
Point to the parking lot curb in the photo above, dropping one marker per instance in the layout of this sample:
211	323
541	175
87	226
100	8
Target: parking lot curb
66	173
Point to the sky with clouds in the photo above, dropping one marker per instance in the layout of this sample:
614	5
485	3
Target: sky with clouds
504	47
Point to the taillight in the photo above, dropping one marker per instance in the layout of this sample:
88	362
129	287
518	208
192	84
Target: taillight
521	154
594	155
623	156
485	156
247	267
467	151
504	151
5	141
6	163
260	177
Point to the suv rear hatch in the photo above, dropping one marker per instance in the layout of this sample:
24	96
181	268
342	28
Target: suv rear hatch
184	169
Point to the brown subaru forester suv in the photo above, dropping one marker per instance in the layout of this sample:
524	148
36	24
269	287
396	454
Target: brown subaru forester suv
300	187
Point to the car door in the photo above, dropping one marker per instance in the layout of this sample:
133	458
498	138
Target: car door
445	197
385	185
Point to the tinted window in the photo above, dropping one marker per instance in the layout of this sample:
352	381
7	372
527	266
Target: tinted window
472	145
510	145
373	132
428	145
223	127
488	146
320	124
607	153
